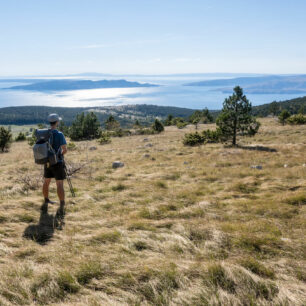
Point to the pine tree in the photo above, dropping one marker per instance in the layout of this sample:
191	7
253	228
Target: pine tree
235	118
169	120
111	123
76	129
283	116
157	126
5	138
91	126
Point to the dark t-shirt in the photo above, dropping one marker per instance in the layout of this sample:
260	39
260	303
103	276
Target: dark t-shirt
58	141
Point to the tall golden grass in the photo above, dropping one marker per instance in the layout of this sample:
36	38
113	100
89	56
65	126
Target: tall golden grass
175	226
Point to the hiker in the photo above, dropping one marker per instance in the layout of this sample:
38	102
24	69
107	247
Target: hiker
57	171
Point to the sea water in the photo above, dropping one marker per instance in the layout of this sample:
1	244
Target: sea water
171	92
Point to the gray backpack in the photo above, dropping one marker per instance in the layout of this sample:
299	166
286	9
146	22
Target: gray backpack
43	151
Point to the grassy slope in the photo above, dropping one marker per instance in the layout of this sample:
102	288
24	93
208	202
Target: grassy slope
194	226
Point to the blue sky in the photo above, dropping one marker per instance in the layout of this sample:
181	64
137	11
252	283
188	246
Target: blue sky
152	36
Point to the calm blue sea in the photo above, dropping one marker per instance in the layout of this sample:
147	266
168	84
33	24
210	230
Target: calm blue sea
171	93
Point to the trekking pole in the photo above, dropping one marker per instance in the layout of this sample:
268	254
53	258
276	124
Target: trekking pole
69	182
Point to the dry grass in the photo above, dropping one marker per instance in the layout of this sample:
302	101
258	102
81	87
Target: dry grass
187	226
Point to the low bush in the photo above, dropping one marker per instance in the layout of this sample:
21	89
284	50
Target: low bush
297	119
104	139
145	131
193	139
207	136
71	146
181	125
21	137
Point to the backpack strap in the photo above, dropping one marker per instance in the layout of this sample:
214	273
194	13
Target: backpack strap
51	144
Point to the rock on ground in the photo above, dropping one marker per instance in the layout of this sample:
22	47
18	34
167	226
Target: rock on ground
117	164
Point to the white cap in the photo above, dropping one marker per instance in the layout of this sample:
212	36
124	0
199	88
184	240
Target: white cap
54	118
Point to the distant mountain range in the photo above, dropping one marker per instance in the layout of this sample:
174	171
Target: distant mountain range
62	85
272	84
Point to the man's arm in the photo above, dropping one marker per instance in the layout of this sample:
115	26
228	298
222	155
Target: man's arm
64	149
63	145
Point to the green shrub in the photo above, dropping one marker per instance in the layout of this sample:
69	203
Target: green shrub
157	126
21	137
145	131
207	136
104	139
297	119
120	133
181	125
283	116
193	139
71	146
5	138
211	136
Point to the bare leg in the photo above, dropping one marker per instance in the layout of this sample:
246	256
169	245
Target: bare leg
60	190
46	188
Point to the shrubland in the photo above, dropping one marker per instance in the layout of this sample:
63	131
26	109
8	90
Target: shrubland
177	225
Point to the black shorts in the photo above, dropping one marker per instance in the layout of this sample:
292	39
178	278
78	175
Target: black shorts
56	171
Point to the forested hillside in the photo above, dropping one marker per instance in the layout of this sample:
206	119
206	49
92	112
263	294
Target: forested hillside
293	106
125	114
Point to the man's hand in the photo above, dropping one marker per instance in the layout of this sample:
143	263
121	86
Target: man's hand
64	149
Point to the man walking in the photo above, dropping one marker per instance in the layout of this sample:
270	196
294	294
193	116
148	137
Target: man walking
56	171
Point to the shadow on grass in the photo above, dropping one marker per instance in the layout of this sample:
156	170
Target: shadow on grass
43	232
257	148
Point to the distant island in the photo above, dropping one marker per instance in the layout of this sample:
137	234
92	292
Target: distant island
272	84
62	85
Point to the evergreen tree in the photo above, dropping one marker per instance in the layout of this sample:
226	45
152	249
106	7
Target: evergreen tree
5	138
63	127
196	121
137	124
168	121
206	115
283	116
111	123
85	127
273	108
203	116
91	126
157	126
76	129
235	118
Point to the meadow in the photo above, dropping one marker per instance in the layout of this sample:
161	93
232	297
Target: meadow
176	225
